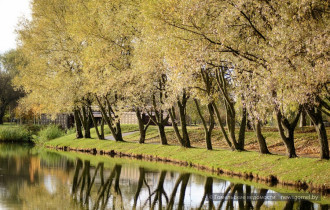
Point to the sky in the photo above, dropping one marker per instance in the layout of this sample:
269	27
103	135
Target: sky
10	13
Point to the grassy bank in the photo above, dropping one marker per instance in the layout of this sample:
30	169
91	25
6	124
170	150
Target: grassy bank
14	133
110	162
313	172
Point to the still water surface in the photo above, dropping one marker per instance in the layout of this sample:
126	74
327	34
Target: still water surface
39	179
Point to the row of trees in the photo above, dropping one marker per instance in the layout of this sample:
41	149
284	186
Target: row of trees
235	60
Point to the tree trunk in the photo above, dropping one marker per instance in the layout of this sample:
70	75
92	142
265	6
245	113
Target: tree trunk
141	127
261	139
184	139
322	134
160	121
118	132
184	129
224	133
86	122
175	126
99	136
207	131
230	117
282	123
208	140
211	127
2	113
108	120
182	113
316	117
102	128
241	135
290	144
115	120
303	121
79	134
162	135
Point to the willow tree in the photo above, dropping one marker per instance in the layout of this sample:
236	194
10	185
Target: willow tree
9	96
155	82
290	36
106	56
151	72
233	29
52	75
193	56
290	56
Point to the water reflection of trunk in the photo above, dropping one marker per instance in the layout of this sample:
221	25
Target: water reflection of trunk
248	203
105	190
85	181
117	191
183	179
208	191
142	179
90	183
305	204
224	196
239	189
261	200
289	204
240	196
159	192
76	176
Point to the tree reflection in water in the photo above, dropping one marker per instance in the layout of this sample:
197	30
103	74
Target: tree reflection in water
107	193
51	181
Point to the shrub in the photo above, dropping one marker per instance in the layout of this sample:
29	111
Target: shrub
33	129
49	133
15	134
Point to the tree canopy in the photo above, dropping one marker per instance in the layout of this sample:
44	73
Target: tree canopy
242	61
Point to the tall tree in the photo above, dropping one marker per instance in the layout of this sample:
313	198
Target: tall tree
9	95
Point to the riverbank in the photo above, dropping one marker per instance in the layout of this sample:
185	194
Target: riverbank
111	162
305	173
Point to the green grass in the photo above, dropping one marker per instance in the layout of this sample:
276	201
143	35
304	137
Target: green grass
307	170
125	128
306	139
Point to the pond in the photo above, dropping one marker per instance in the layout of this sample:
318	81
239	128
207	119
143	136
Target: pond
34	178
